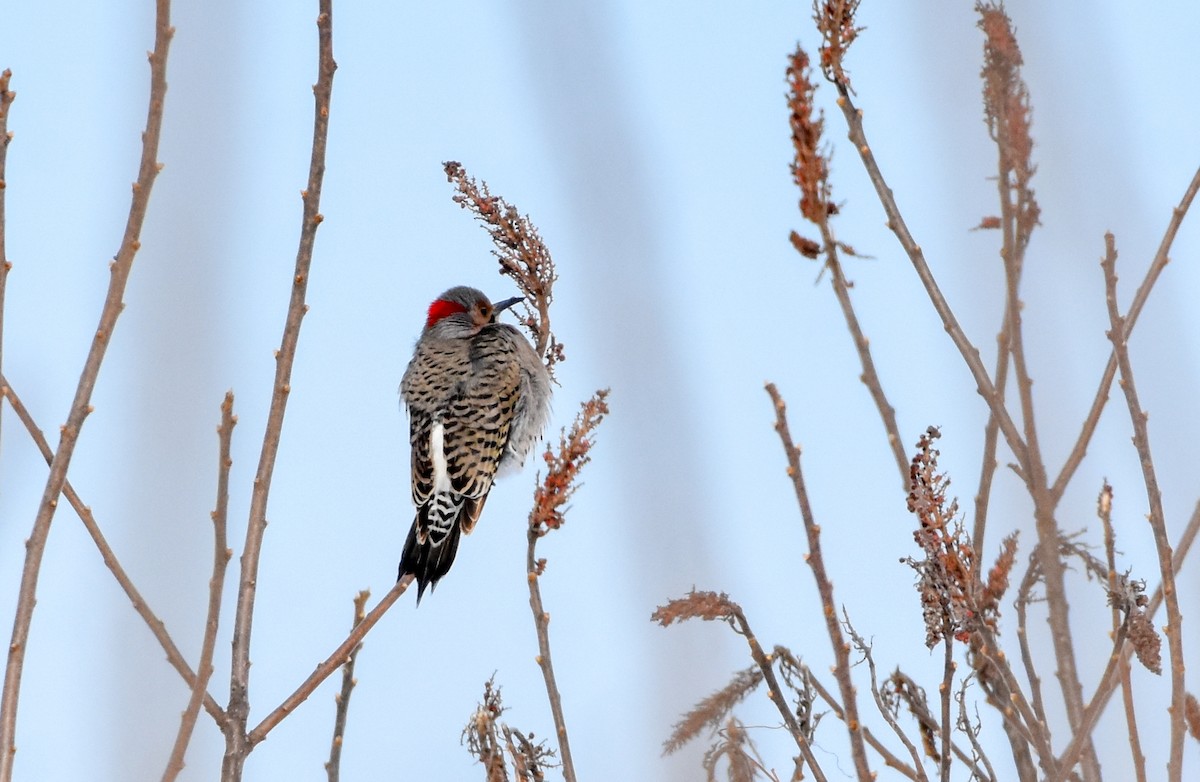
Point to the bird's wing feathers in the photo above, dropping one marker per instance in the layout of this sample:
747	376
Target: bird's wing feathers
472	396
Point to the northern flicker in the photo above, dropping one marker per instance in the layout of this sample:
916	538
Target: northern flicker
478	397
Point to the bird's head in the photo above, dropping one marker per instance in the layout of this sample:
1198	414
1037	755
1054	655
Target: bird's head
466	310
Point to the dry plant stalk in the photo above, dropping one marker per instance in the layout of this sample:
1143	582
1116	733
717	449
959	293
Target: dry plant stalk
551	494
482	736
81	405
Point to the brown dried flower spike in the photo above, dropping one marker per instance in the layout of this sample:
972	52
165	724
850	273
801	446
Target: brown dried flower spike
522	254
945	575
559	484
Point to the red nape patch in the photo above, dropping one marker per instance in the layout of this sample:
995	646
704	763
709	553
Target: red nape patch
441	309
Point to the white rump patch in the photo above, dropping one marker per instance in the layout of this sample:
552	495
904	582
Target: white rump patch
437	453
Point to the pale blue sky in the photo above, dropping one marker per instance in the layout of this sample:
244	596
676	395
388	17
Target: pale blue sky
649	143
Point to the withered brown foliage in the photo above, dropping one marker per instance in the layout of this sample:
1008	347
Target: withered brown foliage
998	576
1191	713
1146	643
494	744
945	574
738	751
695	605
711	711
1007	109
556	489
900	690
835	22
805	246
482	734
1128	595
523	257
810	164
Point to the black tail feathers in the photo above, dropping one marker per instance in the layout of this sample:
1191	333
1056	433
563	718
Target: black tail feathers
426	561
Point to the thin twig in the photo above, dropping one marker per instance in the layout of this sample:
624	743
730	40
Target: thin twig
1104	511
810	171
541	622
1160	261
1082	738
1158	524
987	467
216	588
816	561
919	706
336	659
333	767
865	650
895	221
775	693
1024	597
81	405
174	656
971	731
885	754
945	691
6	98
237	741
1109	682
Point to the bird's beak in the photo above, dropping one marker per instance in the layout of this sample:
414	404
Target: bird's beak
503	305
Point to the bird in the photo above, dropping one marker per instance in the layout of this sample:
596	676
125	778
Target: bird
478	397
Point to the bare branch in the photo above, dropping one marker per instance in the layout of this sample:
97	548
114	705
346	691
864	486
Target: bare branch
1104	505
238	744
883	706
7	96
897	224
333	767
816	562
810	171
1158	524
335	660
889	759
1161	258
81	405
174	656
216	587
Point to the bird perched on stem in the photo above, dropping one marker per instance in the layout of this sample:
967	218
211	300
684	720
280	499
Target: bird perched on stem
478	397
